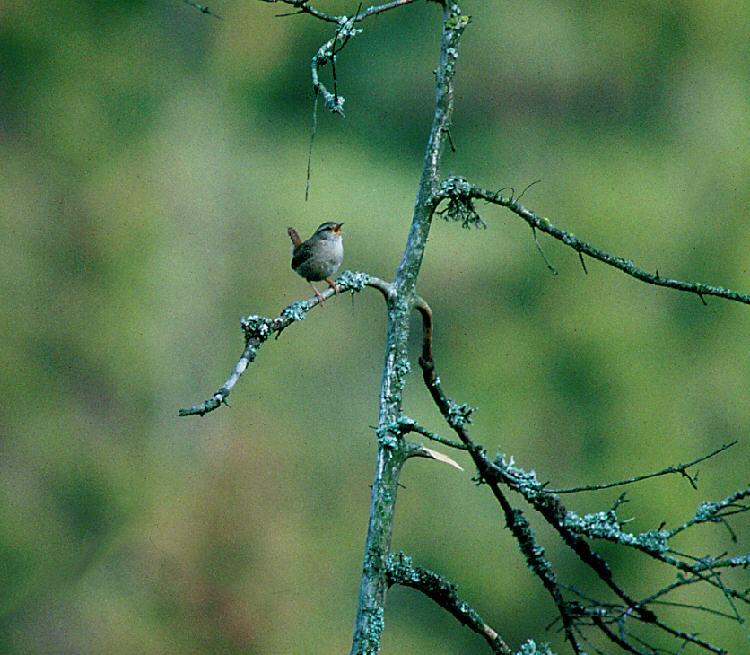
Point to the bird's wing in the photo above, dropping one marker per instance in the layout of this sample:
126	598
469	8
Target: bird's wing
300	254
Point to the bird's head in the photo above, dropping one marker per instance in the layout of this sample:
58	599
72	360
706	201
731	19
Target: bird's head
328	230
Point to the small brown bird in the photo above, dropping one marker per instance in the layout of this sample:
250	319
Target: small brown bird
320	256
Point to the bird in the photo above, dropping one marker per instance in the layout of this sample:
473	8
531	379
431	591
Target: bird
318	257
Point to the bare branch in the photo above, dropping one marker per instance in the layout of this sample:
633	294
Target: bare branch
679	468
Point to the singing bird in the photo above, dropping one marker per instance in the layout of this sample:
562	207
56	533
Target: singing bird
320	256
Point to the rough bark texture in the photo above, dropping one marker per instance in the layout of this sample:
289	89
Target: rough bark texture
392	451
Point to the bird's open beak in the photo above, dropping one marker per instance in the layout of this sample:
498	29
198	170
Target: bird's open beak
337	229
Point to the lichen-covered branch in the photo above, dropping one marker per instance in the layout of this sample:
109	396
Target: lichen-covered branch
715	512
327	52
403	571
575	530
258	329
373	586
458	416
455	199
461	195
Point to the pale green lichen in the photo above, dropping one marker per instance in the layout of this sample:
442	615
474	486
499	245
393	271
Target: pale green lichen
606	525
530	648
256	326
459	414
353	280
460	209
386	436
707	511
402	367
375	628
526	481
296	311
346	29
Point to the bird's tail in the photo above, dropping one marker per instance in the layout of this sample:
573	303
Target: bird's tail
293	236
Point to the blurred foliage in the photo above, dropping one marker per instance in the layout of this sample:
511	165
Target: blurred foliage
152	158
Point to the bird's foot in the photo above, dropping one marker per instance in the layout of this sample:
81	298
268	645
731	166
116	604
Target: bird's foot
333	285
320	295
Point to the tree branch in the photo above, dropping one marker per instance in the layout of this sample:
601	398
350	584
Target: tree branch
572	529
457	416
368	623
461	195
402	571
258	329
304	7
408	425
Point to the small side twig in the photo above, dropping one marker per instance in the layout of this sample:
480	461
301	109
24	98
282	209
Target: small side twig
669	470
202	8
551	268
407	425
304	7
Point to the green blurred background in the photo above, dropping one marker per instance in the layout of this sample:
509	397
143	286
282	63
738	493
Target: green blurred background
150	160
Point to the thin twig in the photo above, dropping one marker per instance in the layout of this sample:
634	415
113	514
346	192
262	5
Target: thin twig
616	639
408	425
310	146
304	7
551	268
712	512
202	8
700	608
679	468
691	637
